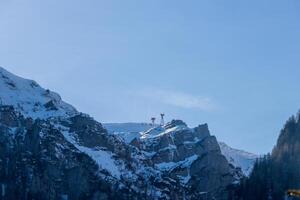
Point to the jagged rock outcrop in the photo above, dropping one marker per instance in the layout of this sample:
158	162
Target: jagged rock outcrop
36	162
190	156
49	150
51	159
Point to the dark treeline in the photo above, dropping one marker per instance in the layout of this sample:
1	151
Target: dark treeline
277	172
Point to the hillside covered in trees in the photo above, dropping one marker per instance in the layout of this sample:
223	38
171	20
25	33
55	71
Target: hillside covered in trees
277	172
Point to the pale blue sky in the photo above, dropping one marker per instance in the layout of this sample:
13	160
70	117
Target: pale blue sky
232	64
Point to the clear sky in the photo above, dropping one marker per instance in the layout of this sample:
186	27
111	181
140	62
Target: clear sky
232	64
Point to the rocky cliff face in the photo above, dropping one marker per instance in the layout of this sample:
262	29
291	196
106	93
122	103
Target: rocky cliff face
48	150
192	157
37	162
240	161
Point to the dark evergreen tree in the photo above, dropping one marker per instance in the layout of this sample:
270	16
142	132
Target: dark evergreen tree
278	172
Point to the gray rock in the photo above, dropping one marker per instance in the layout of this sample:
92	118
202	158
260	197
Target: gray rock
190	156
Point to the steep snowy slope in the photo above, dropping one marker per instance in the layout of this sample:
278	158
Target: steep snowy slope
129	131
30	99
51	151
58	151
239	158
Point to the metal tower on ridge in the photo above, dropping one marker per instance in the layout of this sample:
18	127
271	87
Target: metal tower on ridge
162	122
153	121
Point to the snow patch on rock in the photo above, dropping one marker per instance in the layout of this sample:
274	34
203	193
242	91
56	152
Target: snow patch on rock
104	159
129	131
30	99
239	158
172	165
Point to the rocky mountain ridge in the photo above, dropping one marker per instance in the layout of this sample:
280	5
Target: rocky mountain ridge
49	150
129	131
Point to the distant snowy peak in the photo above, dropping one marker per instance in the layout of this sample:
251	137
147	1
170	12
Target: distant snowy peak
158	131
129	131
159	162
30	99
127	127
239	158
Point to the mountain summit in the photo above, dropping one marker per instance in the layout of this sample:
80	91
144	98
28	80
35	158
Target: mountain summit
49	150
30	99
129	131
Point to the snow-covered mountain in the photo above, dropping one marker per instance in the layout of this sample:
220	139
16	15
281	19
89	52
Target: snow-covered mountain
129	131
30	99
49	150
239	158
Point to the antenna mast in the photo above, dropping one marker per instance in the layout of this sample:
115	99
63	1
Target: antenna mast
153	121
162	122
